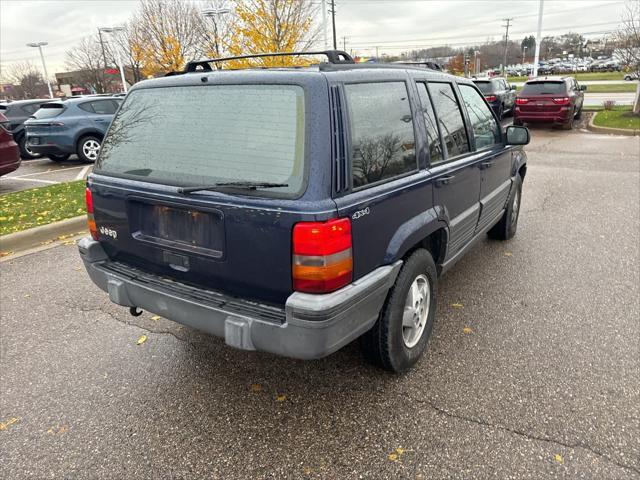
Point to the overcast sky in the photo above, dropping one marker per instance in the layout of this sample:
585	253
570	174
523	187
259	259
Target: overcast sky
393	25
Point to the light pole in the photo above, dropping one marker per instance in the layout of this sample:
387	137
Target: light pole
212	13
524	51
39	46
536	57
113	30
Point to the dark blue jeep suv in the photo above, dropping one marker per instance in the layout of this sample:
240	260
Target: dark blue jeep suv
294	210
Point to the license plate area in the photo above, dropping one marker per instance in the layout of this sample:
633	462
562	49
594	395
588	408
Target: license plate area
178	227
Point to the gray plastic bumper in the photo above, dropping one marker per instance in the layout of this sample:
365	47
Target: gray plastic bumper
314	326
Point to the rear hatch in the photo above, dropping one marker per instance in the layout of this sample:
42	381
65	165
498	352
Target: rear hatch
166	142
41	122
543	96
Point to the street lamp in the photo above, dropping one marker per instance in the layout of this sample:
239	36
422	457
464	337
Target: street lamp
114	30
39	46
212	13
524	51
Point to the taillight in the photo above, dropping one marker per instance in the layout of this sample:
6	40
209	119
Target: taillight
522	101
491	98
322	256
561	101
90	220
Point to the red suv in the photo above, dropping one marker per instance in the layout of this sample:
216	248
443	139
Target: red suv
549	99
9	152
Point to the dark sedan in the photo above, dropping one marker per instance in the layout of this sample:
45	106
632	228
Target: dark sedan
498	93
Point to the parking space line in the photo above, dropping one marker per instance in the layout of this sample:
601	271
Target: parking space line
30	180
83	172
48	171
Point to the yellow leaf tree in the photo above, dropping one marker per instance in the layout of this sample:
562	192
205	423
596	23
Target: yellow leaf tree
265	26
168	35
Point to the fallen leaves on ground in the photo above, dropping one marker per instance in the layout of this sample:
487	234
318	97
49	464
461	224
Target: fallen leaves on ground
281	398
457	305
8	423
5	254
141	339
396	455
467	330
558	458
58	430
256	387
508	254
156	317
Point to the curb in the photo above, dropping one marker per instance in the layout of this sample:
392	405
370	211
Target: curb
33	237
613	131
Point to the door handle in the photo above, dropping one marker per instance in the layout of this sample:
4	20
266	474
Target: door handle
446	180
487	164
99	119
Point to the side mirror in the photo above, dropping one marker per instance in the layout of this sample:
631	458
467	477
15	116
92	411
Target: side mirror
583	88
517	135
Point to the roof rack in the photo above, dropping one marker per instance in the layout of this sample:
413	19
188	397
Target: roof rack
334	56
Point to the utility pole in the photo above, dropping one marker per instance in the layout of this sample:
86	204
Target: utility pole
324	25
465	61
536	57
333	23
344	43
506	43
377	54
104	56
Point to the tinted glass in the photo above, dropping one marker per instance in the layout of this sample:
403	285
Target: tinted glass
30	108
433	138
383	143
449	118
49	111
197	135
103	107
485	87
485	128
544	88
86	107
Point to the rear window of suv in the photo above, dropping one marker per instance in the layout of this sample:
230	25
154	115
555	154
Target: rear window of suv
484	87
544	88
200	135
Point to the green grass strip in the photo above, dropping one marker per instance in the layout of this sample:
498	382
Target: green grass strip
41	206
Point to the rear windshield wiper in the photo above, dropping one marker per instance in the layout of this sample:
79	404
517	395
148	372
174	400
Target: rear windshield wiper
246	185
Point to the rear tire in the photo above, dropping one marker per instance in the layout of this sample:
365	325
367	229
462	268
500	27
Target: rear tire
25	153
89	148
400	335
517	122
579	114
59	158
506	228
500	113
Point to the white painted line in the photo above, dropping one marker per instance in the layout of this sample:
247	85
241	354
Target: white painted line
48	171
83	172
31	180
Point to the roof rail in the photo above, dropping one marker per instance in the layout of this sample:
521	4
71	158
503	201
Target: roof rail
334	56
431	65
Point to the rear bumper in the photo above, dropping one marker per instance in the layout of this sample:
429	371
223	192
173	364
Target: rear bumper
313	326
559	116
50	144
50	149
9	157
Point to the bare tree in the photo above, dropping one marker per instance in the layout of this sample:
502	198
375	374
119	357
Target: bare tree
628	44
28	80
217	28
86	60
125	44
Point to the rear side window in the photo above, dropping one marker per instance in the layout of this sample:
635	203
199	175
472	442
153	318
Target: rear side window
30	108
485	128
449	118
200	135
101	107
544	88
382	137
433	138
49	110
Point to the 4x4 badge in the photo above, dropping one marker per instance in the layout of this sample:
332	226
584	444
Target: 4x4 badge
360	213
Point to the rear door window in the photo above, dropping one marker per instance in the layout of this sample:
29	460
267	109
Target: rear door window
450	118
382	135
486	131
100	107
200	135
544	88
433	137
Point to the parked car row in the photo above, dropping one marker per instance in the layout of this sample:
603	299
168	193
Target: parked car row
59	128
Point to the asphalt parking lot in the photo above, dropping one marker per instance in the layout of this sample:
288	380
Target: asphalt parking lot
43	171
533	369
